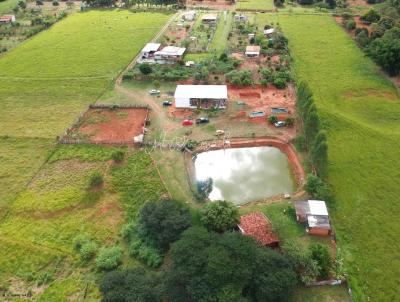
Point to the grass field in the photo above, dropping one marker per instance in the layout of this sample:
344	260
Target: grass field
255	5
44	84
218	44
360	110
7	6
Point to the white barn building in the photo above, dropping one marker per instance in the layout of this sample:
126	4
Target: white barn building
201	96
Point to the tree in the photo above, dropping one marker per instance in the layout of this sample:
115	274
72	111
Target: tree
204	187
162	222
118	156
230	266
145	68
22	4
272	119
319	153
95	179
220	216
386	51
311	124
134	284
317	188
371	16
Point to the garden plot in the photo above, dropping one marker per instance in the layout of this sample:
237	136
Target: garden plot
110	125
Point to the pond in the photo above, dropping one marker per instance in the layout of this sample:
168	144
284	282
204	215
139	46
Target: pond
241	175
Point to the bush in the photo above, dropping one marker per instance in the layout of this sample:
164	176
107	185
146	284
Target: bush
95	179
350	25
109	258
320	254
55	3
317	188
280	83
272	119
220	216
39	2
88	250
289	121
145	253
79	241
372	16
362	38
145	68
118	156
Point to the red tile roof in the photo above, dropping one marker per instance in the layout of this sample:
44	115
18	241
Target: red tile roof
259	227
6	18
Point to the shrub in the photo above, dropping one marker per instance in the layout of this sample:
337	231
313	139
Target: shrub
145	253
39	2
109	258
371	16
350	25
145	68
280	83
95	179
267	74
272	119
289	121
118	156
88	250
55	3
79	241
220	216
320	254
317	188
347	16
362	38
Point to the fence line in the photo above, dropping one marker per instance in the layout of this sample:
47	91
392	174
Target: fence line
116	106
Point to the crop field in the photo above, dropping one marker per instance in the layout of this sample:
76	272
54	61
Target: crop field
360	109
254	5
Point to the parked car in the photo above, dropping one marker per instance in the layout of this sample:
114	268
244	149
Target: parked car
187	123
202	120
154	91
167	103
280	124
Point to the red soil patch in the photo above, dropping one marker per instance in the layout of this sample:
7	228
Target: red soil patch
112	125
177	35
259	98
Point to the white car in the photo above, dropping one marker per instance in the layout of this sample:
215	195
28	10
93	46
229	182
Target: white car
280	124
154	91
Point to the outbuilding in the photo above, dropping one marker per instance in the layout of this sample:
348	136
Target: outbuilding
209	19
7	19
189	15
169	54
253	51
201	96
269	31
314	214
149	50
258	226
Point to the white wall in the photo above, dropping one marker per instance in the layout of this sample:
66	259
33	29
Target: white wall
183	103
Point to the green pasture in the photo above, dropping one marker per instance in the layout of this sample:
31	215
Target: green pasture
255	5
360	110
7	6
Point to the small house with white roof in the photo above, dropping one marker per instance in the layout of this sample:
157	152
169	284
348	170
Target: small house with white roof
169	54
201	96
314	214
149	50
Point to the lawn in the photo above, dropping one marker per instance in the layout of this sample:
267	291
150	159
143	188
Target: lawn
255	5
224	26
360	110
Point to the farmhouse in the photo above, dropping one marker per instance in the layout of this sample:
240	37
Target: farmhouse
7	19
149	50
259	227
209	19
252	51
315	214
201	96
240	18
169	54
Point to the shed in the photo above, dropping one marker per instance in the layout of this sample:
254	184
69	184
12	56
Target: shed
189	15
258	226
241	18
201	96
315	214
149	50
7	19
252	51
209	18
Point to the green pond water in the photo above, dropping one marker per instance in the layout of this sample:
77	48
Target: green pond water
241	175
